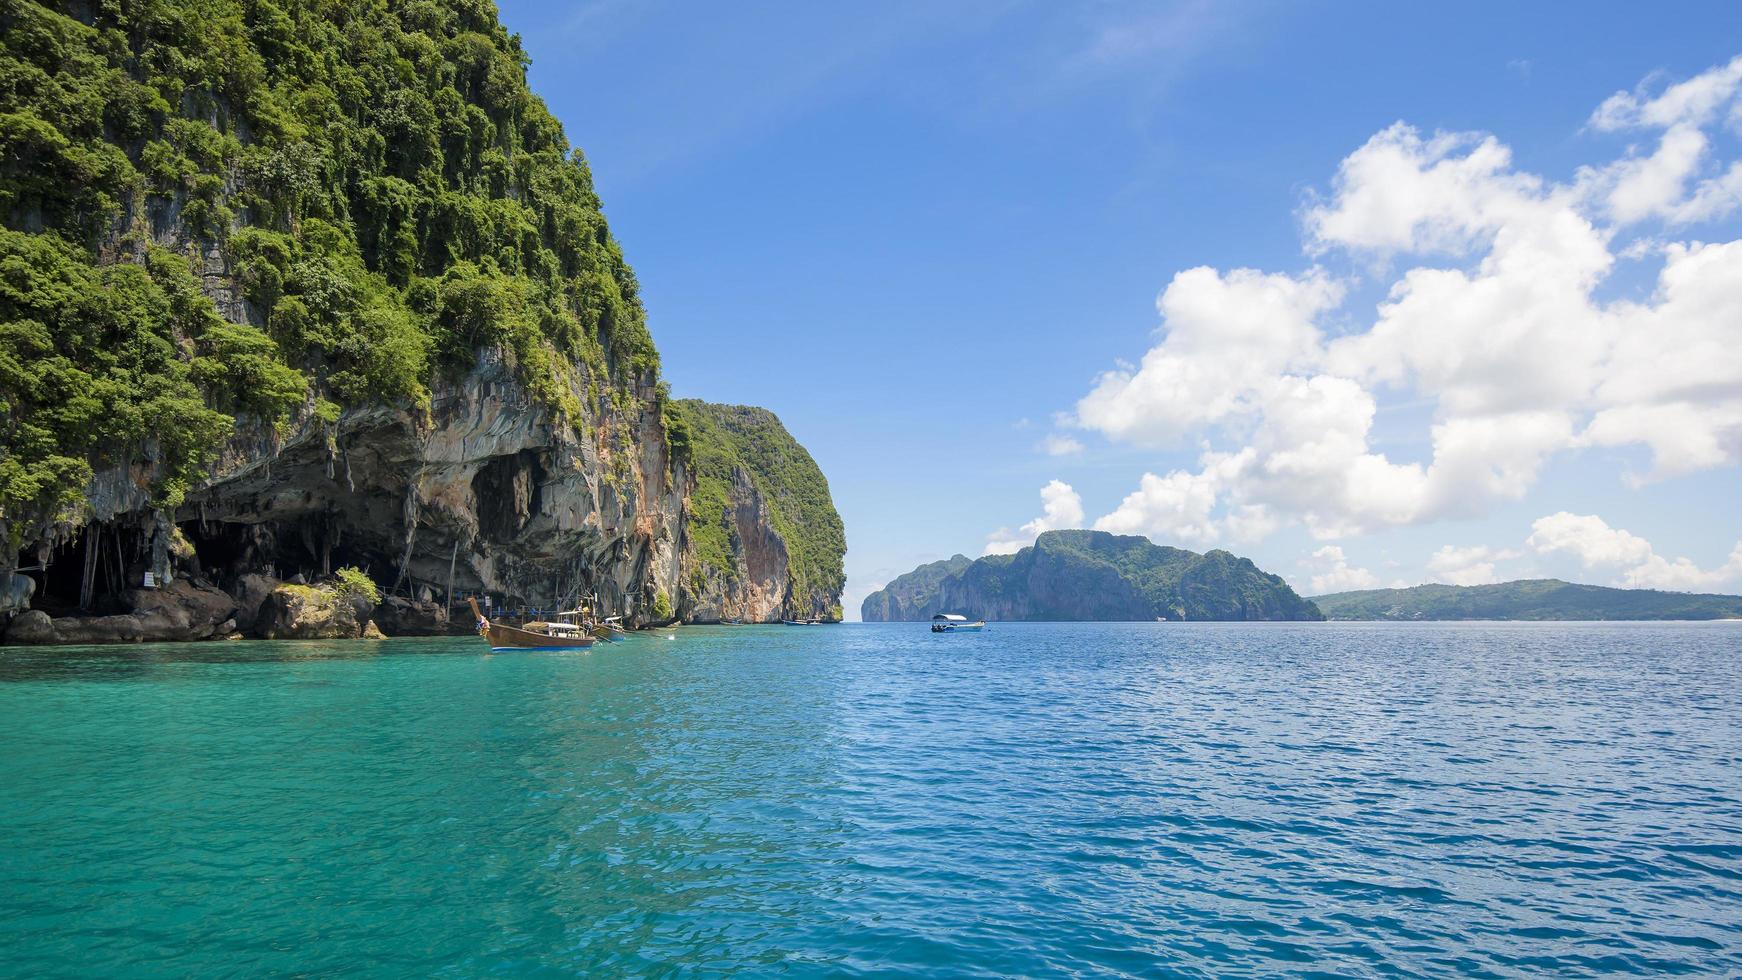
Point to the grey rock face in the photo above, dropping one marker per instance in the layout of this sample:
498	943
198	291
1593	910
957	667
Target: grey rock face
178	612
399	616
31	626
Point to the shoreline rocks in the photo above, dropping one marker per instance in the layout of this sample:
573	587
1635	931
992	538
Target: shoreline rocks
177	612
308	612
398	616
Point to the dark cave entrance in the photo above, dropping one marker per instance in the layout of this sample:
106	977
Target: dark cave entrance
507	489
311	545
97	564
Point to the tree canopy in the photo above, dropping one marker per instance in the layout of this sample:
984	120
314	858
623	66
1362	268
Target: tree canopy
213	210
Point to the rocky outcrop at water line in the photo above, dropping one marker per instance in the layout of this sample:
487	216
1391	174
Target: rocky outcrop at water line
304	612
398	616
182	611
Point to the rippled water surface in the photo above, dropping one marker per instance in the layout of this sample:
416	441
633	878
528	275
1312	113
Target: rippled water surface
1133	799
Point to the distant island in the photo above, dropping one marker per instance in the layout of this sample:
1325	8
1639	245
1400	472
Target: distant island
1527	599
1081	576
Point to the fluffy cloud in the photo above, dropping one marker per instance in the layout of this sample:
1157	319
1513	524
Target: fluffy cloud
1696	101
1058	445
1229	336
1597	545
1175	507
1061	507
1473	565
1588	537
1331	572
1499	319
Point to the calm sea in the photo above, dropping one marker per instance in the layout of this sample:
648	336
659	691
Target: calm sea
1038	800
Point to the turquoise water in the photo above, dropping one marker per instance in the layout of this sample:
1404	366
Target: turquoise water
1134	799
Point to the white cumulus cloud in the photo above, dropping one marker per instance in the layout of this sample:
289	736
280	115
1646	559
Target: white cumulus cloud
1175	507
1470	565
1597	545
1331	572
1496	315
1060	445
1061	507
1229	336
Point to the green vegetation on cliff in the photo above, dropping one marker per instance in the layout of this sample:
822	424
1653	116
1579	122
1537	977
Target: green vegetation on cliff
1090	576
1527	599
720	441
371	183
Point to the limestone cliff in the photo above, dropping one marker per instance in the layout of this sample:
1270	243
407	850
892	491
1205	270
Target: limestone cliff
285	288
487	493
1091	576
762	539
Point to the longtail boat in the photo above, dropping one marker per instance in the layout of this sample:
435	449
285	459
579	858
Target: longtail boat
531	636
610	629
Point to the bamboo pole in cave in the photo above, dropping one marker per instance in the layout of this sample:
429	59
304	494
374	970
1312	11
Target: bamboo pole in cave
88	580
452	558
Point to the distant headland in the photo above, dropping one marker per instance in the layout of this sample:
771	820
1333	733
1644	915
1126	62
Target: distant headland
1091	576
1526	599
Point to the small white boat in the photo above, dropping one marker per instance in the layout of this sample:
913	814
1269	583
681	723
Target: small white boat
952	623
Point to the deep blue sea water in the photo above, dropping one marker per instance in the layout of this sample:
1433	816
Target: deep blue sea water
1038	800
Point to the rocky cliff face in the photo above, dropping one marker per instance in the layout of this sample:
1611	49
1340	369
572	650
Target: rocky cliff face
287	288
1091	576
488	493
762	540
915	595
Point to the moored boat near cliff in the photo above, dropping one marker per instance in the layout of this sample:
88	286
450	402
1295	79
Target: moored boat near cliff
536	635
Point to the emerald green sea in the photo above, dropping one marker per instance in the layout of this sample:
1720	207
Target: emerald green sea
1037	800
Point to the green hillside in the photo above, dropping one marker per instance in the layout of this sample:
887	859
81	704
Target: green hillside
1528	599
1092	576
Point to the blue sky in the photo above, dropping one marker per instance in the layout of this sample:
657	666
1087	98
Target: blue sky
924	234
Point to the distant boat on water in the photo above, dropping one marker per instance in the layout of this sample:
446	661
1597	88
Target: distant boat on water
802	622
952	623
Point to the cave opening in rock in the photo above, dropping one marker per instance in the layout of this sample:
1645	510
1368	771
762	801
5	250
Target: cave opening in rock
223	549
507	490
86	572
313	546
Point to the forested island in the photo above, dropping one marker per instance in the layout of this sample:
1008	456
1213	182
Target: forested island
293	288
1091	576
1527	599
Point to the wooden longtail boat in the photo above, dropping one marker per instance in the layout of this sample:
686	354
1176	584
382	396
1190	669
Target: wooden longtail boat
531	636
610	629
